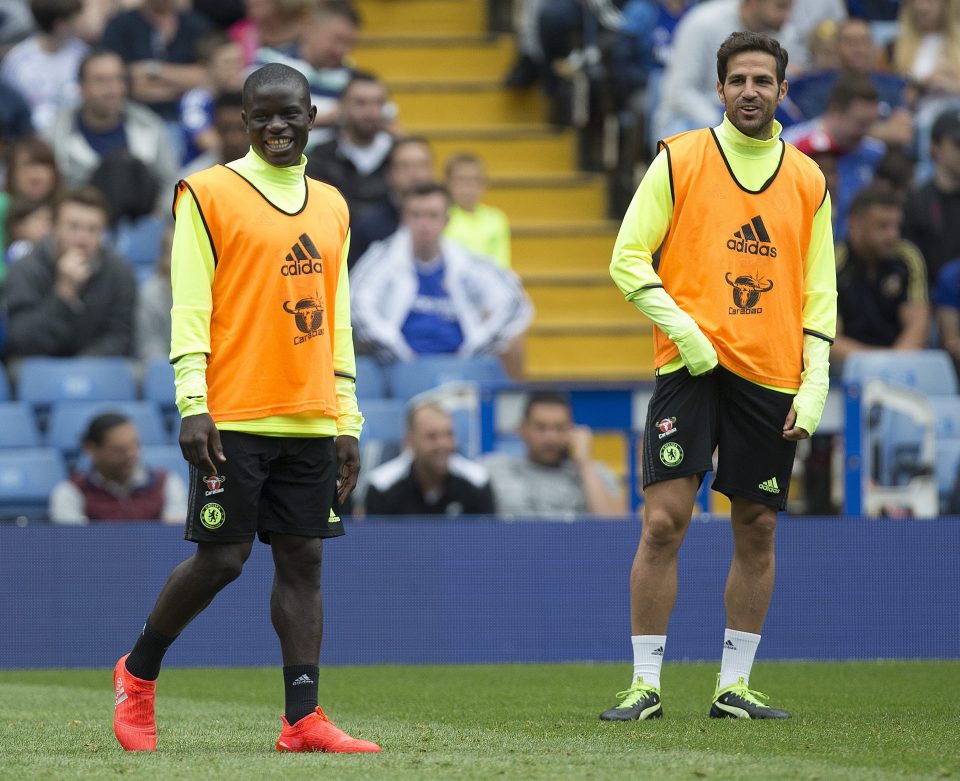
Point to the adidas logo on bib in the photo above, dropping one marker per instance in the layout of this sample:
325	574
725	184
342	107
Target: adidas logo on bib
753	239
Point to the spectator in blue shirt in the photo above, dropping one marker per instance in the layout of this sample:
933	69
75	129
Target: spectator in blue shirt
852	110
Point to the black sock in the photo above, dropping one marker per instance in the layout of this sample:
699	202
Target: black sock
145	658
300	690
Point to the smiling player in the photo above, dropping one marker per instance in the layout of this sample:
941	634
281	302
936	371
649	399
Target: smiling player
264	362
744	303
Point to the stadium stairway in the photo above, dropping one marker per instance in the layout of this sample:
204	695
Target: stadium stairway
443	70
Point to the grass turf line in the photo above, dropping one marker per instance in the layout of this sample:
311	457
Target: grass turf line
890	720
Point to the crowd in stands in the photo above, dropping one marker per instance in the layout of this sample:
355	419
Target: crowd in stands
105	105
874	98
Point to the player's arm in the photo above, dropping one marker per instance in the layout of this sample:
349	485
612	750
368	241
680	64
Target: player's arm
914	313
191	277
349	419
819	326
643	229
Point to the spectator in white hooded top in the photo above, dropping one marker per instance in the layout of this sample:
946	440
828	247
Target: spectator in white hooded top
416	293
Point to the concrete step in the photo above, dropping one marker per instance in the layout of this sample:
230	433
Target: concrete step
468	59
467	106
580	196
589	354
562	250
423	18
507	151
576	303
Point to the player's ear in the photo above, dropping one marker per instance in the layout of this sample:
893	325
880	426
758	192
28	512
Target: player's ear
720	92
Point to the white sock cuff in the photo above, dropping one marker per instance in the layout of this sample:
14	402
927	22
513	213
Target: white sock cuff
736	634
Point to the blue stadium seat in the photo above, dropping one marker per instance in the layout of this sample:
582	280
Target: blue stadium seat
167	457
69	420
927	371
140	241
44	381
407	379
946	411
18	428
158	384
371	379
947	467
5	394
27	476
385	420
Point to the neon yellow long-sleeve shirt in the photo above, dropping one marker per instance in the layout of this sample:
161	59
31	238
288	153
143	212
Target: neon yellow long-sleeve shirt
648	220
192	272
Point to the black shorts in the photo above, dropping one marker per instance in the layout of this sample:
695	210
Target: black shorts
689	417
285	485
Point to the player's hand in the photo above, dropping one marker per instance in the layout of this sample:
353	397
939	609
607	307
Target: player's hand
200	443
697	352
348	466
792	431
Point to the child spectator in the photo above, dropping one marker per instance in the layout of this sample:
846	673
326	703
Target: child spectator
482	229
27	224
222	59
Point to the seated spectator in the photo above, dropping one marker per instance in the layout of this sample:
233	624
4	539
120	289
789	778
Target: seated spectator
409	163
932	211
810	92
222	59
106	124
482	229
557	478
417	293
44	66
158	42
118	486
72	295
15	122
429	477
355	160
882	300
153	307
273	23
231	142
689	93
852	110
927	48
328	35
639	57
32	178
27	224
946	296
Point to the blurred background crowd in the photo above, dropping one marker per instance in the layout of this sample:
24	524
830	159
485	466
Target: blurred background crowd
486	151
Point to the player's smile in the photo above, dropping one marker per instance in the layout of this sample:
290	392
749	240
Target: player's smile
278	121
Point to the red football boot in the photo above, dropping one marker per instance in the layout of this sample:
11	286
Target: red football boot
133	721
315	732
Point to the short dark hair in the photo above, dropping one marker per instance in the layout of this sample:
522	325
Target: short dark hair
461	158
414	409
96	54
403	141
424	189
274	74
872	196
851	87
552	398
360	77
47	13
340	8
87	195
746	41
35	150
101	425
895	167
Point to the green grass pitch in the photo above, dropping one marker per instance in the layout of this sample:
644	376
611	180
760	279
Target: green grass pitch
892	720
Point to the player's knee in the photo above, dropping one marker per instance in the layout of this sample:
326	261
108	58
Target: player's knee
756	534
661	530
223	564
